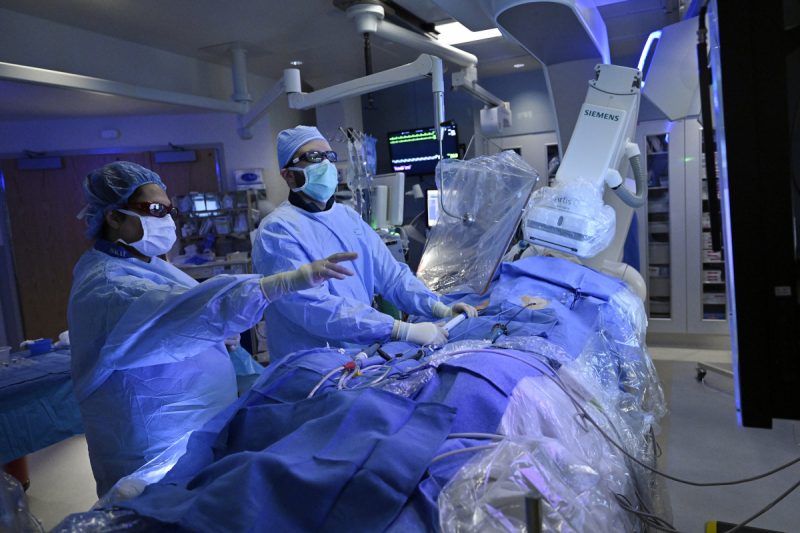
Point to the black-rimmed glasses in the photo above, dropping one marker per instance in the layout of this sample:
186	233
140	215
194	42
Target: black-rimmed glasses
314	156
153	209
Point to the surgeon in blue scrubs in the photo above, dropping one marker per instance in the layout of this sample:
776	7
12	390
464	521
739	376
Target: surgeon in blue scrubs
149	363
310	224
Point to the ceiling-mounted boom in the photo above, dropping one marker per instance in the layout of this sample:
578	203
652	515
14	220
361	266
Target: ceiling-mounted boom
369	19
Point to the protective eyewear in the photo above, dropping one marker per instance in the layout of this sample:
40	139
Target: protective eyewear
314	156
154	209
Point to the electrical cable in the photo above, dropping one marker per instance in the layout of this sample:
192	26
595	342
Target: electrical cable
591	420
466	151
647	518
663	524
654	520
553	376
766	508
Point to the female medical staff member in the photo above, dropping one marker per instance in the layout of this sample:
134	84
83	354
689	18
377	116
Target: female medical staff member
149	362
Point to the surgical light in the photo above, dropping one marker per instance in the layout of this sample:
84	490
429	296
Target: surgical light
456	33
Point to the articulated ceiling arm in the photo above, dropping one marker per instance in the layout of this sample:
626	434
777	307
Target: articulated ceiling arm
369	19
420	68
497	114
424	66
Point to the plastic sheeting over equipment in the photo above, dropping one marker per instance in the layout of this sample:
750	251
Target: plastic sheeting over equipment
525	400
482	200
14	514
571	217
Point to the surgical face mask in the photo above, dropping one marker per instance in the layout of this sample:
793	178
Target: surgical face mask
159	234
321	180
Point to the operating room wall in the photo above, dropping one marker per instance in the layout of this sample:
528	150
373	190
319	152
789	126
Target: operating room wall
82	135
36	42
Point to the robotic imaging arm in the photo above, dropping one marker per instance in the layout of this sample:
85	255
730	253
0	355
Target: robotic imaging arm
571	216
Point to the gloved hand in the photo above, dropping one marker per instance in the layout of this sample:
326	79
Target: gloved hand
232	342
422	333
307	276
440	310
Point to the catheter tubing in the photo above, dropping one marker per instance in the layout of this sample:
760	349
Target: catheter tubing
456	320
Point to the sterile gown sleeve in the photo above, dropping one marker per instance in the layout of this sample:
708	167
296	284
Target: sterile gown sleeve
141	320
319	311
396	283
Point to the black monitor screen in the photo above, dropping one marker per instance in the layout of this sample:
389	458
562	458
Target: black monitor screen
416	152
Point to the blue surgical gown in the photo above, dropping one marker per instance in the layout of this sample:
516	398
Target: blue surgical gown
339	312
148	359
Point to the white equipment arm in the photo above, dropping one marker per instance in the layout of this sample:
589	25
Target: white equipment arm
420	68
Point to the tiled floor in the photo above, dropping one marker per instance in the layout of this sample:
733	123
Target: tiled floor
689	354
61	479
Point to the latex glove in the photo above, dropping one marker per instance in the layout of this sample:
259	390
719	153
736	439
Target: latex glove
307	276
232	342
422	333
440	310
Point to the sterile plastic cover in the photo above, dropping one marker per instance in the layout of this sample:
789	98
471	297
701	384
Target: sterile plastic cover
552	452
14	514
482	200
570	217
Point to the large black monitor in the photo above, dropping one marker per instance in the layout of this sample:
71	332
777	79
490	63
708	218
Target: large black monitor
416	152
755	69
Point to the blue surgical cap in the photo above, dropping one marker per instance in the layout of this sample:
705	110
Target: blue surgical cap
109	188
289	141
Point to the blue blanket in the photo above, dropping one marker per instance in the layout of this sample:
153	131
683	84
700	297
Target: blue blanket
357	458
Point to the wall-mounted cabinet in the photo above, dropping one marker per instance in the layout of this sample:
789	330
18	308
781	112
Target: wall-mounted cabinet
685	278
214	231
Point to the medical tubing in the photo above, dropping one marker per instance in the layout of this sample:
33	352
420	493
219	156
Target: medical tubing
478	324
521	309
625	194
345	377
323	380
445	455
646	518
458	319
386	371
489	436
441	202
